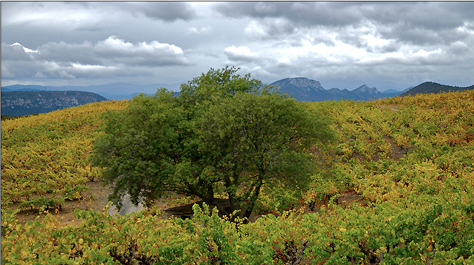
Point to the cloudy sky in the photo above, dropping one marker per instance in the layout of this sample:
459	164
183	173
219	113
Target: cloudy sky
341	44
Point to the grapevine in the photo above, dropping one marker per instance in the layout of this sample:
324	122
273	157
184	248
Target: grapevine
408	161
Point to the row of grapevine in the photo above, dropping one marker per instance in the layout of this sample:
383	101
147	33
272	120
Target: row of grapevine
45	157
427	231
409	160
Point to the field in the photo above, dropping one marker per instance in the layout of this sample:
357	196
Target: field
397	187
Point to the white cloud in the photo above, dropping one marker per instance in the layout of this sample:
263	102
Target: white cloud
240	53
16	52
89	67
373	41
284	61
114	43
425	54
255	30
109	57
154	53
55	15
27	50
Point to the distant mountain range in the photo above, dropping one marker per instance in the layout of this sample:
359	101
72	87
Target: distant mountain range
304	89
21	103
431	87
117	91
23	88
301	88
19	100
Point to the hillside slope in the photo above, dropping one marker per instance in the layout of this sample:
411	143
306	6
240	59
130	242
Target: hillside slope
21	103
45	157
432	87
396	187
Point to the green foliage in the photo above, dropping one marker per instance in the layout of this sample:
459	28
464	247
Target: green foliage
137	146
417	231
224	136
407	160
41	204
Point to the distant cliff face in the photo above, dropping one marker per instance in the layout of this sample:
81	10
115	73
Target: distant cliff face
21	103
301	83
304	89
300	88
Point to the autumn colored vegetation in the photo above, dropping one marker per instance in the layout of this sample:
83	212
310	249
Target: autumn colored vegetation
407	162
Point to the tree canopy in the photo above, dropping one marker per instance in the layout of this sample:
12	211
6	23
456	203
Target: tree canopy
225	135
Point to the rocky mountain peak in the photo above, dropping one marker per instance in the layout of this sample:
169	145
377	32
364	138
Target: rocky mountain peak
366	89
302	83
305	89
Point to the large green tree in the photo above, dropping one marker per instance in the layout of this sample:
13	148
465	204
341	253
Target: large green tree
225	135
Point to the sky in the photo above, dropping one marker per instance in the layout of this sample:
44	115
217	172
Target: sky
388	45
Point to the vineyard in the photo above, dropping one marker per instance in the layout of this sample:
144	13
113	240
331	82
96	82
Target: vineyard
396	187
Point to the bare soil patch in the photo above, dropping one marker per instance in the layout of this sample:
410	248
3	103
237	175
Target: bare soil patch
95	199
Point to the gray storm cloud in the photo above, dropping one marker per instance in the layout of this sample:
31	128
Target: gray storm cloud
107	57
167	11
377	42
417	23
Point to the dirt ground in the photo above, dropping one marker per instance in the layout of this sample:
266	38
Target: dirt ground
95	198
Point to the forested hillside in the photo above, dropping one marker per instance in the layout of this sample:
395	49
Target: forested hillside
431	87
396	187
